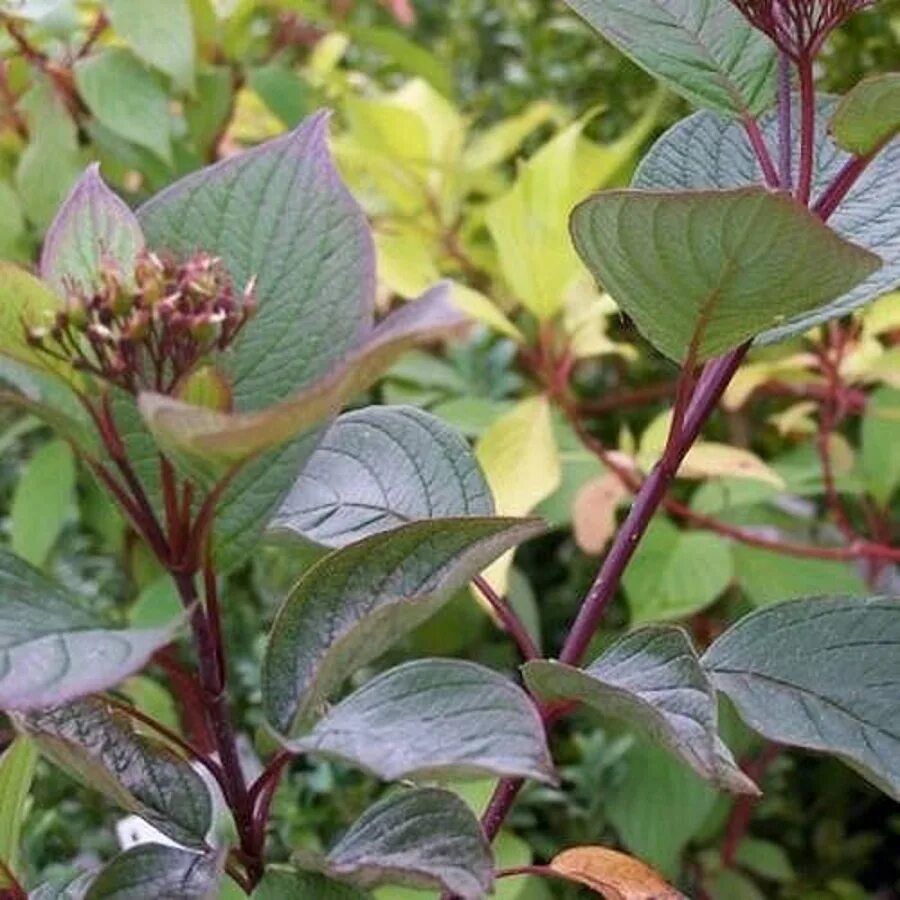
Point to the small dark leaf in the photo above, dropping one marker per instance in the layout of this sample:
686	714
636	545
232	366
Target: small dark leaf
355	603
98	746
425	838
435	716
154	872
52	651
377	469
653	680
820	673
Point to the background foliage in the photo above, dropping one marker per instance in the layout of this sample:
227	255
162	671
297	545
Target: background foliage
468	130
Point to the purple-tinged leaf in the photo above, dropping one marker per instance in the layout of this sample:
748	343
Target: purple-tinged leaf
652	679
212	439
704	151
279	214
152	871
53	651
380	468
821	673
435	717
93	229
98	746
357	602
423	838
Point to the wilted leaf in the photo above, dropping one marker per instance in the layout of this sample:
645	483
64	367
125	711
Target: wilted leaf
821	673
97	745
869	116
354	604
707	51
613	875
52	651
709	270
653	680
377	469
93	228
594	512
151	870
421	838
389	727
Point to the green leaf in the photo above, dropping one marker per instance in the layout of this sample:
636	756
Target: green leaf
17	765
658	832
126	97
377	469
765	859
42	502
51	162
389	727
152	870
709	270
160	33
768	577
706	50
14	239
821	673
420	838
676	573
653	680
869	116
69	886
52	651
97	745
880	461
92	229
282	884
280	214
703	151
355	603
282	90
210	438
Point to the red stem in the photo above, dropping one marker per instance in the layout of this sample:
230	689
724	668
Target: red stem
15	891
834	194
758	142
808	129
508	619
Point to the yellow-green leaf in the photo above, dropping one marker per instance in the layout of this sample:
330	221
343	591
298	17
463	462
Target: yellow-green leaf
869	116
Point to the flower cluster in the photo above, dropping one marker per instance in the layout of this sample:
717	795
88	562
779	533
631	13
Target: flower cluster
149	330
799	27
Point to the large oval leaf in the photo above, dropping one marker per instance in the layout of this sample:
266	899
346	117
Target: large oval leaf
377	469
435	716
653	680
52	651
821	673
425	838
702	272
705	151
354	604
98	746
154	871
704	49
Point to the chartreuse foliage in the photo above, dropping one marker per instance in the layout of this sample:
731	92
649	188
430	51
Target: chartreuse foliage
197	355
